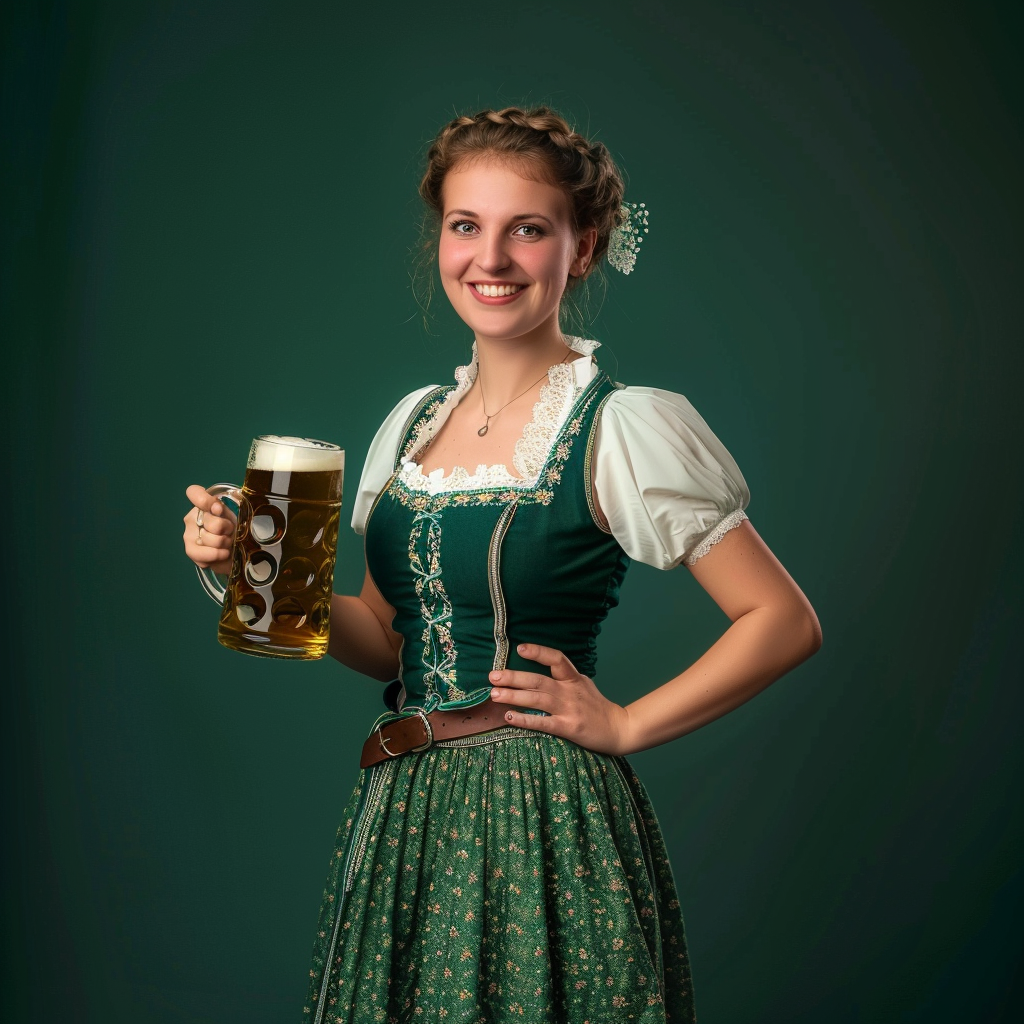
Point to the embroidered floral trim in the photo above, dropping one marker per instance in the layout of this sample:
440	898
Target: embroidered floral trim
540	492
531	451
717	532
426	423
439	651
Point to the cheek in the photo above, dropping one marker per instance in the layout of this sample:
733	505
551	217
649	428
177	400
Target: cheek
451	257
549	264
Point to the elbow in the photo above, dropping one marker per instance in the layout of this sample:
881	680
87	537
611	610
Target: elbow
809	632
797	633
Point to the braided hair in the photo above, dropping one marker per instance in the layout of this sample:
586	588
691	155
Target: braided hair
540	139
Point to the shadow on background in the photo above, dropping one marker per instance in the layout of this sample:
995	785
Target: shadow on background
209	210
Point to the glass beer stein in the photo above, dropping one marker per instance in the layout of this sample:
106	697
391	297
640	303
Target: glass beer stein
277	601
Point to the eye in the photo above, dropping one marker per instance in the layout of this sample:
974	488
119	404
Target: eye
529	231
461	227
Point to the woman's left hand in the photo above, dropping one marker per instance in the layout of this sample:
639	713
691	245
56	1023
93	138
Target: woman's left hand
576	709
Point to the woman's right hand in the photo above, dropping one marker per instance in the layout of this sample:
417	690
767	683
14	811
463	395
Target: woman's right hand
209	547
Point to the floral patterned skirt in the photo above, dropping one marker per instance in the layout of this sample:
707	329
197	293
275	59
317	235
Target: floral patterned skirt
512	876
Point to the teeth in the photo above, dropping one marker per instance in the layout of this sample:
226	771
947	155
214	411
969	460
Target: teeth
496	291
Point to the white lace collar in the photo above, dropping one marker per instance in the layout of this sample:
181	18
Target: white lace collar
565	382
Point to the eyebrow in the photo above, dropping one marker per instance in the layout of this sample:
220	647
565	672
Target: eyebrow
516	216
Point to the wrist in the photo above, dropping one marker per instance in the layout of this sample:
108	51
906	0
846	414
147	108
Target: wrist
625	732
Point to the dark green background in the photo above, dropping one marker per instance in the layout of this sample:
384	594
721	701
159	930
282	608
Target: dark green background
208	212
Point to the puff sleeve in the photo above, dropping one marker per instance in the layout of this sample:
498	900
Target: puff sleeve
669	489
380	459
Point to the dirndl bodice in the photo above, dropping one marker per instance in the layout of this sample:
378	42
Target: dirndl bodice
471	574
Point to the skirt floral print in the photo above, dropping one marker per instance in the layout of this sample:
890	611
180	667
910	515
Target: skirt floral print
513	876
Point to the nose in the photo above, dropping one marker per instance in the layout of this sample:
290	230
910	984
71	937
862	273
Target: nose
493	255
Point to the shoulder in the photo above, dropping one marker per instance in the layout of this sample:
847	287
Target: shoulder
653	408
408	406
383	451
663	478
651	419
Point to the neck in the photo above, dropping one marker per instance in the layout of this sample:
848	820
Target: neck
506	366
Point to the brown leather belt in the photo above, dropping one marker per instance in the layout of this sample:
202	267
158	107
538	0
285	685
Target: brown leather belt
420	730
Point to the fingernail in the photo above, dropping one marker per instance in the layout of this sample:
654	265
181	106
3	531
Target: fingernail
495	694
495	676
521	648
508	716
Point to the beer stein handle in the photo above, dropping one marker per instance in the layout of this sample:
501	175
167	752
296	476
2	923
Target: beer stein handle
210	580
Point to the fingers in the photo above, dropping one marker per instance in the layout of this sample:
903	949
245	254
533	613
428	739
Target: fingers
201	498
539	723
521	680
208	513
561	667
214	526
209	530
538	699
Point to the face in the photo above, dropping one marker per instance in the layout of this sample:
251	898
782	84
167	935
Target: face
507	250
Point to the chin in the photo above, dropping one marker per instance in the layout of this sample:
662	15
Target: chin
497	327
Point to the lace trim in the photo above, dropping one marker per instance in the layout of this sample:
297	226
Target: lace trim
549	412
531	450
717	532
585	346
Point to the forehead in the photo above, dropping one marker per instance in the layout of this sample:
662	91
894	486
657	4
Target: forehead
490	185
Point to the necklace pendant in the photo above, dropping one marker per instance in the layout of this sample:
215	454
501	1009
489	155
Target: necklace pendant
482	430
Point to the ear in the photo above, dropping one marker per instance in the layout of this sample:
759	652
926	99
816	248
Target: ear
584	251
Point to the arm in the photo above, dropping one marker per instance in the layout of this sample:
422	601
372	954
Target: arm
361	633
773	630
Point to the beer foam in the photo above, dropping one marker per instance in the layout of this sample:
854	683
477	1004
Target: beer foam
279	453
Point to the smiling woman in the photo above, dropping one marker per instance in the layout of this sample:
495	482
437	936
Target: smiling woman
494	255
498	859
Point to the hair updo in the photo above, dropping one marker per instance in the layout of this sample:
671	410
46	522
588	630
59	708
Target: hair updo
539	138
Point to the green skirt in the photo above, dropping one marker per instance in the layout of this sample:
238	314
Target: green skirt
513	876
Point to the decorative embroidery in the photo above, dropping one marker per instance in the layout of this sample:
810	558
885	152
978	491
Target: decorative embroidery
425	423
439	651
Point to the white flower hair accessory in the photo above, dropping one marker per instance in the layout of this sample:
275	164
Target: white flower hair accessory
624	241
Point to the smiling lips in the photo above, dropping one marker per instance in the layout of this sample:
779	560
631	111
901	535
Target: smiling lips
496	294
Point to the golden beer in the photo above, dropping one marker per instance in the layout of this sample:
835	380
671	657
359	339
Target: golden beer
277	602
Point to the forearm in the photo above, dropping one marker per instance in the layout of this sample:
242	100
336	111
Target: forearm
758	648
360	640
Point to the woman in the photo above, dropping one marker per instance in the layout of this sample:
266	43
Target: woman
498	859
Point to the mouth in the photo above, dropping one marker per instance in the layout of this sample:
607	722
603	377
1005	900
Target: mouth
497	291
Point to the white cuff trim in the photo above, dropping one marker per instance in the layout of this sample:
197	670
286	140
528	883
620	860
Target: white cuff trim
716	533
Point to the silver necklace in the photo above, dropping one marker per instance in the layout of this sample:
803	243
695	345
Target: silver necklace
487	423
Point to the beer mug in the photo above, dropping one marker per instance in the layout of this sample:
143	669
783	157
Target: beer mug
277	601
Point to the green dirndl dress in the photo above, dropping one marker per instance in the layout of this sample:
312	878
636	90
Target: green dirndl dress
510	876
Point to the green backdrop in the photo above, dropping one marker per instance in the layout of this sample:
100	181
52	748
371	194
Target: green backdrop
208	213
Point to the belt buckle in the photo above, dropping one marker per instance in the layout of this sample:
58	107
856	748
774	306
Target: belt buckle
430	732
412	750
383	745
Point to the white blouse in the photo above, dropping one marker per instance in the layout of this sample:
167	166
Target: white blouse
667	486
